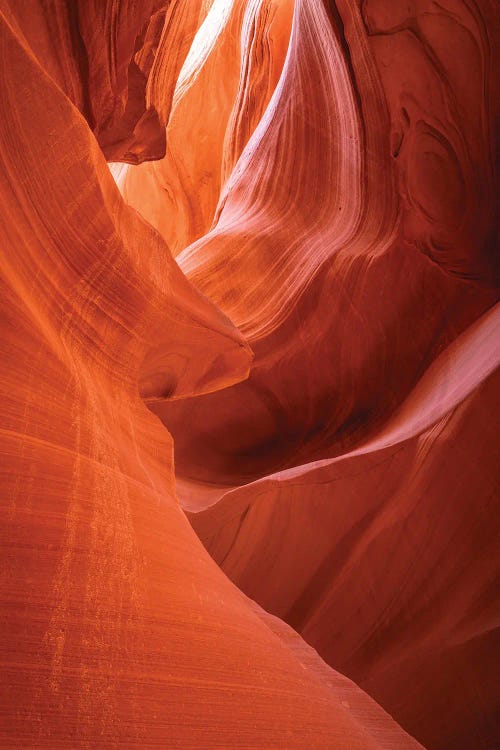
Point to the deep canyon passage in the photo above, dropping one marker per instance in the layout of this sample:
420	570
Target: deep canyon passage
250	338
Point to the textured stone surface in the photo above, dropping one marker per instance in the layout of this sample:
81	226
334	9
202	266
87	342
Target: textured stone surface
322	355
353	244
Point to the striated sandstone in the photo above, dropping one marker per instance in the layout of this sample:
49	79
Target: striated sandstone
318	565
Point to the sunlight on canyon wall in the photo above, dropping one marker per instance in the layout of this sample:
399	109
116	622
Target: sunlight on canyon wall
250	348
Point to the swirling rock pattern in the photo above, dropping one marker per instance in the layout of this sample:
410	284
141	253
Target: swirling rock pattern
353	243
326	375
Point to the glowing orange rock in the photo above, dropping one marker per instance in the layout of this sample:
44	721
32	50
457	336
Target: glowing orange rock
118	630
352	244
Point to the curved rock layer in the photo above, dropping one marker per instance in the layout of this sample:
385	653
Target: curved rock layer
322	250
323	174
118	630
386	558
341	211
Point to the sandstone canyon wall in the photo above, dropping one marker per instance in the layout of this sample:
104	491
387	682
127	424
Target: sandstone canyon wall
250	348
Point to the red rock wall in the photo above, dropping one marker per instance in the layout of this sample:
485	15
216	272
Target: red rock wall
353	244
325	375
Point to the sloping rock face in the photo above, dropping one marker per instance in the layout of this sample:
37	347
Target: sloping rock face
321	358
341	211
118	630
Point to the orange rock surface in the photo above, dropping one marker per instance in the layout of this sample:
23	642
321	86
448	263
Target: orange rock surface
256	236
